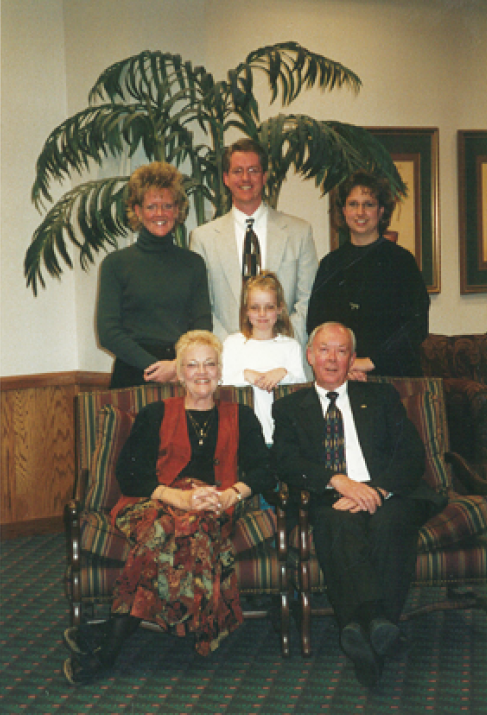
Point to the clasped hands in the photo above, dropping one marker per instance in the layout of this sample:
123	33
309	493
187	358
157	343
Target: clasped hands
265	380
355	496
199	498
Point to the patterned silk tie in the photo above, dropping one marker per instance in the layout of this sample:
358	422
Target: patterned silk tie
251	252
334	440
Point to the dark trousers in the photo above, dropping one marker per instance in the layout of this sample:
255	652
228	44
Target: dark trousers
367	558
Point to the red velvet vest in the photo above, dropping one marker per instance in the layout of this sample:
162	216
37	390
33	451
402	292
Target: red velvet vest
175	448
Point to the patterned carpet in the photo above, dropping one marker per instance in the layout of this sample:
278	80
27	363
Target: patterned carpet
444	671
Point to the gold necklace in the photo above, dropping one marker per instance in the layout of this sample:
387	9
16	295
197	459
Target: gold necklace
201	430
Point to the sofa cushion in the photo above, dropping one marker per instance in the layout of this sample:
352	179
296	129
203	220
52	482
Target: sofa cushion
424	410
464	517
101	539
253	528
113	429
434	568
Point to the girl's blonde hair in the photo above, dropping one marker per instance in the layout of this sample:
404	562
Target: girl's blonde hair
266	280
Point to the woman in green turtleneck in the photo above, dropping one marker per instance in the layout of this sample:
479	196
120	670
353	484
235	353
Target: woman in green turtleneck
153	291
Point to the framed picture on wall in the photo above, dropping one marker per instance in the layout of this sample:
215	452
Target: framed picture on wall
472	185
415	221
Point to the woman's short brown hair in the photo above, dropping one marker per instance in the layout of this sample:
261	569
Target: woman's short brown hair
377	186
266	280
158	175
197	337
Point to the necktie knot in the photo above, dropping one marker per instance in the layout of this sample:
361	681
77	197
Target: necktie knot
332	396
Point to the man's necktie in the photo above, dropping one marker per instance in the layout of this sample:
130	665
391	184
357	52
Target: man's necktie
251	252
334	440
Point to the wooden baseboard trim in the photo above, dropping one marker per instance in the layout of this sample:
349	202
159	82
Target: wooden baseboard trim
80	378
33	527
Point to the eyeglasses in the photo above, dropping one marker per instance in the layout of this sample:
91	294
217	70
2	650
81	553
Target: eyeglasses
195	365
252	170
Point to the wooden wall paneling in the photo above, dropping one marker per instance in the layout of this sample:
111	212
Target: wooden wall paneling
37	450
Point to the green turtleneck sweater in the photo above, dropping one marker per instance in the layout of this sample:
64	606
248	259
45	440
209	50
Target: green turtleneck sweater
151	292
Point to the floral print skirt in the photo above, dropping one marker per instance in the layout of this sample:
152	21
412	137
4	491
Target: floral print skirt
180	571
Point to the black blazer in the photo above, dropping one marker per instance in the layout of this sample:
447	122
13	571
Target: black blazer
392	448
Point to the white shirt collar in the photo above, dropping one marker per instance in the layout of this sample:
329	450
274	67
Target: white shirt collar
322	392
241	218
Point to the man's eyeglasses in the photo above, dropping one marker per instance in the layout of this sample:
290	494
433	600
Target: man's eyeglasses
252	170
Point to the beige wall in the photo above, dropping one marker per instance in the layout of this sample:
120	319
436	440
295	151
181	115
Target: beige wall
421	63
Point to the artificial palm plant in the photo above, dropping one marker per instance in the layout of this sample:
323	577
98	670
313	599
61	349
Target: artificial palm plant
159	103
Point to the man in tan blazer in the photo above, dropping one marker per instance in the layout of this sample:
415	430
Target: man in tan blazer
286	243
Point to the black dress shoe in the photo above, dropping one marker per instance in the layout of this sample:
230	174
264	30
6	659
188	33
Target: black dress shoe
356	645
383	635
84	639
84	669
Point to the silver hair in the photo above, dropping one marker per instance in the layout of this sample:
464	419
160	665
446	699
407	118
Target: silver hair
332	324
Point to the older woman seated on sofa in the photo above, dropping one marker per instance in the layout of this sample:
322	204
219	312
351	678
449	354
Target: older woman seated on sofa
179	476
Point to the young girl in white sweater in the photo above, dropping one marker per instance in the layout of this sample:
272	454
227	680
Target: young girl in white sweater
264	353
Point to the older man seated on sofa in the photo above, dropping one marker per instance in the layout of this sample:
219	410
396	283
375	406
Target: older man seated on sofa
351	445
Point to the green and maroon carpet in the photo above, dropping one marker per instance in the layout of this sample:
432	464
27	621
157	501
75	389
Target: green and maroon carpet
443	671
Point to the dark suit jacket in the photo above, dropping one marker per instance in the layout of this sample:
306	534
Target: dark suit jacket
390	443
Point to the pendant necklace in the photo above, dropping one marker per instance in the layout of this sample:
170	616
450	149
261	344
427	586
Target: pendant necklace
201	430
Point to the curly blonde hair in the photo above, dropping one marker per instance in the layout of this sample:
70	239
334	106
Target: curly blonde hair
197	337
157	175
266	280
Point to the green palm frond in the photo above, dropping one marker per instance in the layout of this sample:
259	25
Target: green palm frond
94	211
110	130
157	102
327	152
289	67
88	136
374	156
156	75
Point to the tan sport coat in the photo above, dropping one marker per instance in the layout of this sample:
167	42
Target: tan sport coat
291	254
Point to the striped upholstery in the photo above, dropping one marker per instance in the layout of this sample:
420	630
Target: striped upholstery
103	423
257	572
450	546
464	517
437	568
113	429
131	399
